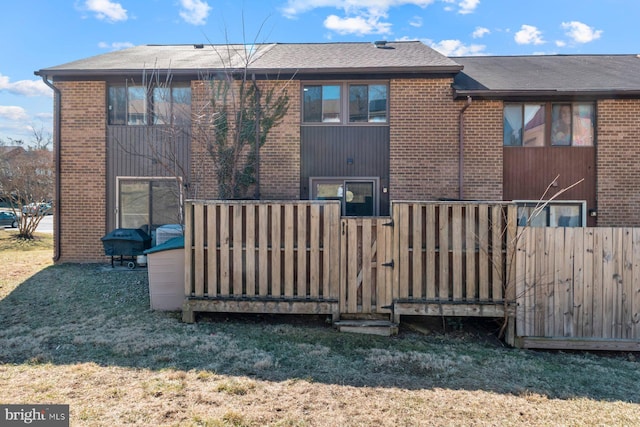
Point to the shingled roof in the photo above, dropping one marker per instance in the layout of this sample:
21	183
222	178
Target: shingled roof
298	58
550	75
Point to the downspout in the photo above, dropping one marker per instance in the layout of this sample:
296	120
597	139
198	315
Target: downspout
461	148
56	157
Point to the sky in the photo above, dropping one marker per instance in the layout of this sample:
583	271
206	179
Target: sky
37	34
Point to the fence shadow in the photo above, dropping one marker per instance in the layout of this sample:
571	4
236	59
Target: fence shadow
70	314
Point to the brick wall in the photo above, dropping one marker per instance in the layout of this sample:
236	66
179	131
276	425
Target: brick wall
618	163
82	171
424	143
280	155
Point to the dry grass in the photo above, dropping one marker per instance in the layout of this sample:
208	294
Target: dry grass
83	335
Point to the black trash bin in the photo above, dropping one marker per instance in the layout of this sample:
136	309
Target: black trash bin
126	242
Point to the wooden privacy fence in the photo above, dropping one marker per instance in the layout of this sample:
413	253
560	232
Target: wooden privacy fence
578	288
430	258
253	257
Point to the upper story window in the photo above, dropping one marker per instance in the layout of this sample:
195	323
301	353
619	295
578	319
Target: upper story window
345	103
141	105
549	124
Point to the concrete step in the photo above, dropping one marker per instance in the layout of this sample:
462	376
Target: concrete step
371	327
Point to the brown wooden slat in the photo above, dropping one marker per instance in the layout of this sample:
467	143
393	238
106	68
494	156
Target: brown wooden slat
550	251
587	298
263	250
626	314
521	258
225	264
456	252
483	252
598	294
402	228
367	266
250	250
237	250
352	266
289	250
198	274
301	278
470	237
443	252
188	249
497	261
635	293
212	251
276	251
417	274
314	256
608	283
431	233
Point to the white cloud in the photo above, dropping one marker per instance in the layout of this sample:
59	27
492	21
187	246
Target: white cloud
195	12
107	10
361	17
560	43
581	33
480	32
24	87
457	48
13	112
356	25
529	34
468	6
115	45
416	21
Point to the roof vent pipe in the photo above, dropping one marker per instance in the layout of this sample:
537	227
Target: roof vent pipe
380	43
198	46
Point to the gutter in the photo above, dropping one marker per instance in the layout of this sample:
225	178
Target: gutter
56	157
461	148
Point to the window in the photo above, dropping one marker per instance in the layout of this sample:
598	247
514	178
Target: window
136	105
552	214
148	202
526	125
357	195
365	103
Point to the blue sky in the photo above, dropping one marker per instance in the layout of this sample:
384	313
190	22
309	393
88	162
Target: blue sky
36	34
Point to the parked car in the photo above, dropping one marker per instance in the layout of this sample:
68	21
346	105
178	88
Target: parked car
37	209
8	219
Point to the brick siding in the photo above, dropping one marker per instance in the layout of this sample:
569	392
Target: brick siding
618	163
82	171
424	143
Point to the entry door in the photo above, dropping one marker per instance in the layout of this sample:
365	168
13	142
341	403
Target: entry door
358	197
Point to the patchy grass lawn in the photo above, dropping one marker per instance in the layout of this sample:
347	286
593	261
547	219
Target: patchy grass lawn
84	335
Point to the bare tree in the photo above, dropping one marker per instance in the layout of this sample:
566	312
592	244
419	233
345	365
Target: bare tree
26	183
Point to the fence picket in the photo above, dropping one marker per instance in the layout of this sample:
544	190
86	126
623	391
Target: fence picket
289	258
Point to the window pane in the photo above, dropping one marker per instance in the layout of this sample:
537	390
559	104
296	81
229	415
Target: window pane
534	119
117	105
359	199
331	103
583	125
161	106
561	124
565	216
358	103
512	131
181	105
165	203
134	204
378	103
312	103
137	105
329	191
